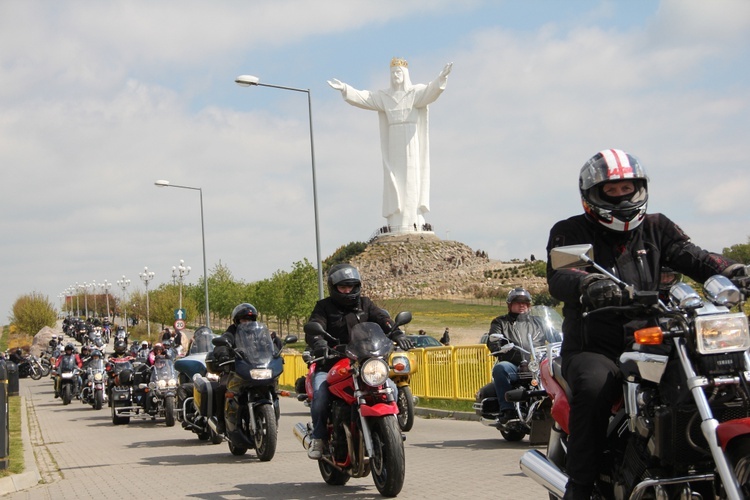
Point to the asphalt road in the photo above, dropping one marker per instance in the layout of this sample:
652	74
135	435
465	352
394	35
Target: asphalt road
80	454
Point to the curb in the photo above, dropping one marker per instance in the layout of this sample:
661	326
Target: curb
30	478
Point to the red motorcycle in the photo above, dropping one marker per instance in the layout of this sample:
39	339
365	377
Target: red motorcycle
682	428
363	433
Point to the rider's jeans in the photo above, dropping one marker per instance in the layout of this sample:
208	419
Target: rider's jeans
321	404
504	374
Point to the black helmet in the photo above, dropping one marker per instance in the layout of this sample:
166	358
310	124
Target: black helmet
95	353
69	346
520	294
244	311
121	346
621	213
344	274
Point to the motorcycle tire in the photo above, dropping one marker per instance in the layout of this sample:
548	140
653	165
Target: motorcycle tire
216	438
46	368
237	451
266	433
387	463
116	419
98	400
331	475
511	435
405	403
35	372
738	453
66	394
169	411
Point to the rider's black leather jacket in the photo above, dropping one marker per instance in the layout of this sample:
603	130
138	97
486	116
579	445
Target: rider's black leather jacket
515	328
636	257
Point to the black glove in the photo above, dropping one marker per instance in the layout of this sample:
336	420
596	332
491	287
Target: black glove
599	291
739	275
319	347
402	341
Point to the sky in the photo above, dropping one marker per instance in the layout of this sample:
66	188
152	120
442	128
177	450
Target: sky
98	100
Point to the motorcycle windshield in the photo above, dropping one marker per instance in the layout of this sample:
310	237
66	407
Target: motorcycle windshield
96	365
367	340
254	340
163	369
551	319
202	343
68	363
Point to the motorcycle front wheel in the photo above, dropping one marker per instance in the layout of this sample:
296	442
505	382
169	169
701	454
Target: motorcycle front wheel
67	394
738	453
98	400
266	432
46	368
405	403
35	372
387	463
169	410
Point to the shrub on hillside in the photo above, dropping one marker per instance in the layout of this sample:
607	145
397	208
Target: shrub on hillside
33	312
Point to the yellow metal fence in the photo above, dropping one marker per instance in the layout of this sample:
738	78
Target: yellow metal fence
452	372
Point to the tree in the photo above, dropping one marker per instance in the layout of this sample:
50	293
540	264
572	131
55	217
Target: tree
33	312
344	254
164	300
739	252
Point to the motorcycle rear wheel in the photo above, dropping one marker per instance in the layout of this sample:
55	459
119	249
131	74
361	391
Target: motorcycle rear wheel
266	432
387	463
169	410
331	475
237	451
511	435
405	403
116	419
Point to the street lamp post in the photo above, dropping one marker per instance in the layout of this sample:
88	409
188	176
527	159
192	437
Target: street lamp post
85	287
123	284
250	80
146	277
105	287
163	183
93	287
179	273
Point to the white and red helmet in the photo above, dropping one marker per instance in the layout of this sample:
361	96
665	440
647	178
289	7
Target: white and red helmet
622	213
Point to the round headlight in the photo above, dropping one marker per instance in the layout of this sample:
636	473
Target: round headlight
172	383
98	377
161	384
374	372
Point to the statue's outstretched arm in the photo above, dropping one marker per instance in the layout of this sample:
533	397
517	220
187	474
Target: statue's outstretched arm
445	72
336	84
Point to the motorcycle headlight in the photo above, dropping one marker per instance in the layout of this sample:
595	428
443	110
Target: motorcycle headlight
212	376
261	373
722	333
98	377
172	382
374	372
161	384
400	364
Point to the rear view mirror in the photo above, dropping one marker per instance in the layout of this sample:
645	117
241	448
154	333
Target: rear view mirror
572	256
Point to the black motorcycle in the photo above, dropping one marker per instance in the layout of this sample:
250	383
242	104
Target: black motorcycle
251	408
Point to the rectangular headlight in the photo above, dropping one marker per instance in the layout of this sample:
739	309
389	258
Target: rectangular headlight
261	373
721	333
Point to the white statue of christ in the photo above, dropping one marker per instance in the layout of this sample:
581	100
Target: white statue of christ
404	141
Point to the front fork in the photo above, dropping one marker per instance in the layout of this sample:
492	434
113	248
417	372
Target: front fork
708	423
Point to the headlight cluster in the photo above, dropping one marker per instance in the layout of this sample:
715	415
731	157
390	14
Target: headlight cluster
172	382
98	377
374	372
261	373
161	384
722	333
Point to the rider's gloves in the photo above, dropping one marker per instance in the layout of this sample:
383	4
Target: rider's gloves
319	347
402	341
507	348
599	291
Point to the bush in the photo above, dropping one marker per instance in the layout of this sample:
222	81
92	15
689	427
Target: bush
33	312
544	299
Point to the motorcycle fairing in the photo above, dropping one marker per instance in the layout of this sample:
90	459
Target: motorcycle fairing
379	409
340	381
560	404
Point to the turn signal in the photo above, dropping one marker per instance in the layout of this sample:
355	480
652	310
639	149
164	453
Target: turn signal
399	367
649	336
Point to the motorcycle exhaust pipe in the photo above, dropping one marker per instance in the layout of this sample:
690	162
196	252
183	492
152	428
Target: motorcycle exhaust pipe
538	467
300	432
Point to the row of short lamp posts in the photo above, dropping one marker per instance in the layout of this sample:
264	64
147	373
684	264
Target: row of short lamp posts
73	290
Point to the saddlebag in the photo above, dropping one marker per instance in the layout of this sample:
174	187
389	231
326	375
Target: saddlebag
204	396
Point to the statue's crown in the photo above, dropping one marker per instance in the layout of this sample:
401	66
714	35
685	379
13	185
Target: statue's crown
397	61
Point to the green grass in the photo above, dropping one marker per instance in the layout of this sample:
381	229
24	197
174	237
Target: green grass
446	404
434	315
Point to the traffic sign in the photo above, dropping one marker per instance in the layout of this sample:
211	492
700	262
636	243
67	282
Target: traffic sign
179	324
179	314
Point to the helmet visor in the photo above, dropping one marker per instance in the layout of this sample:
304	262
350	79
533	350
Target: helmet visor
345	274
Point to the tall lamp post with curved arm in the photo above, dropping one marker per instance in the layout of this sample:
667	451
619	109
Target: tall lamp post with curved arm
163	183
124	284
250	80
105	288
146	277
